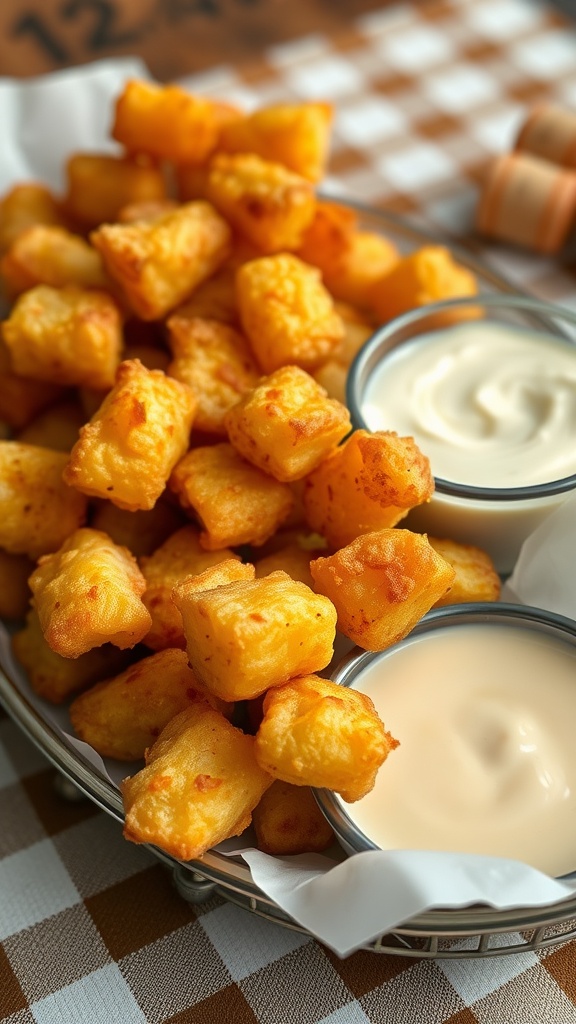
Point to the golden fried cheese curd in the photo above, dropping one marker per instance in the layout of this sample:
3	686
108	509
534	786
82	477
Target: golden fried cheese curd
47	254
38	511
369	482
166	122
287	424
296	135
55	678
89	593
268	204
158	263
123	715
200	785
70	336
216	361
23	206
235	502
99	185
286	312
248	635
130	446
382	584
180	555
317	733
476	578
288	821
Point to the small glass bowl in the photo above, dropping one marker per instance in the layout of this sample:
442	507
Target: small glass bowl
340	814
497	519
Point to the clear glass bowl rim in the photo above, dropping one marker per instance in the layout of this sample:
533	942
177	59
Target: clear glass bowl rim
378	347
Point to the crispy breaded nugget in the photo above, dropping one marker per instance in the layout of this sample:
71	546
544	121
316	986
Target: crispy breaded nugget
382	584
369	482
235	502
200	785
89	593
128	449
476	578
286	312
99	185
317	733
286	424
216	361
70	336
245	636
264	201
22	207
122	716
38	511
427	275
294	134
181	555
166	122
22	399
288	821
351	260
158	263
47	254
55	678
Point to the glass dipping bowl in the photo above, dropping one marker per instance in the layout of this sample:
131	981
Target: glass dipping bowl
495	518
497	740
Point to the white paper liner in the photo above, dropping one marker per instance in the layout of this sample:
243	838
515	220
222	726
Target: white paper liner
349	903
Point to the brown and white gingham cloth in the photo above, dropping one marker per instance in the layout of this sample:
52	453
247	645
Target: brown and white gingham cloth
92	930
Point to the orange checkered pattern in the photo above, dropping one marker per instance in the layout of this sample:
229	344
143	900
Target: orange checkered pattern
92	930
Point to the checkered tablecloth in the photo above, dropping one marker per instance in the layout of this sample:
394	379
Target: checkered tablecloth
92	930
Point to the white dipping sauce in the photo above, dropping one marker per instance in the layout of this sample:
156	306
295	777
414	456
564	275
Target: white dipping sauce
485	715
489	404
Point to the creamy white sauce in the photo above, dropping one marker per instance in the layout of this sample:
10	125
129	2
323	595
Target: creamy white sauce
489	404
485	715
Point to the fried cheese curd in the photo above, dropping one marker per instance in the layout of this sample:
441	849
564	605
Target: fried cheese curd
89	593
250	634
235	502
23	206
200	785
47	254
369	482
286	424
475	577
166	122
286	312
22	399
70	336
122	716
288	821
38	511
180	555
55	678
268	204
216	361
382	584
156	264
130	446
317	733
99	186
296	135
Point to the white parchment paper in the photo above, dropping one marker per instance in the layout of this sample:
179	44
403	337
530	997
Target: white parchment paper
343	903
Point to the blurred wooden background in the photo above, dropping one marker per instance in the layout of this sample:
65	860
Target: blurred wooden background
174	37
